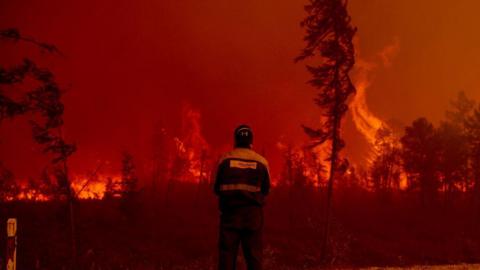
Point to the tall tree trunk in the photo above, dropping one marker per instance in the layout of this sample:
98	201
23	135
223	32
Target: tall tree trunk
72	231
71	210
331	179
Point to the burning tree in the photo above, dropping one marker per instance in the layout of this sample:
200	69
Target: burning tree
386	168
189	161
329	35
293	173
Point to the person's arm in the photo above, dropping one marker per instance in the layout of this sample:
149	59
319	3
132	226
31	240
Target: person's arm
266	181
216	178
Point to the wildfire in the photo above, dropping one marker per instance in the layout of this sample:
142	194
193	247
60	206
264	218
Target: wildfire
85	188
366	122
192	147
188	162
30	195
302	164
82	187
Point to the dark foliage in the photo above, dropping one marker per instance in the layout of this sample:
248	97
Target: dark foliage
44	100
386	168
421	158
184	235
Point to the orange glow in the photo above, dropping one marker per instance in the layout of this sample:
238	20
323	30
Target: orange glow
305	162
30	195
94	189
366	122
83	187
192	146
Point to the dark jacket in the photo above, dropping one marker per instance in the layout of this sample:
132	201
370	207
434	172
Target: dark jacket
242	178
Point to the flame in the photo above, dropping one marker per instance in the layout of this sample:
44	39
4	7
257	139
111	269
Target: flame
303	162
191	150
86	188
83	188
364	119
192	146
366	122
31	195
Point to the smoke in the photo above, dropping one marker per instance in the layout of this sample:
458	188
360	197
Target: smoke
389	52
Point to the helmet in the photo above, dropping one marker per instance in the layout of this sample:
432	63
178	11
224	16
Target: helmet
243	136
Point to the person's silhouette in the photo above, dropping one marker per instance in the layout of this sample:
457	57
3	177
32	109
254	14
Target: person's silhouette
242	181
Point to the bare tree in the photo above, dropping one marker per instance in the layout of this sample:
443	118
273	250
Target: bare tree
329	36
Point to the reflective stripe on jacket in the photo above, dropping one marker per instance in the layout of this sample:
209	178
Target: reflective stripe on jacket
242	178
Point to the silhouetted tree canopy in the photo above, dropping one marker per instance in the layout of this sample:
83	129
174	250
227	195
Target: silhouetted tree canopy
420	154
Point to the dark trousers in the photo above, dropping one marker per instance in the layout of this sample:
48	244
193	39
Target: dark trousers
243	227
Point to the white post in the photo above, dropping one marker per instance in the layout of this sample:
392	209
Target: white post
12	244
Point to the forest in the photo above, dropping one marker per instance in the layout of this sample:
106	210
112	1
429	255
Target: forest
414	201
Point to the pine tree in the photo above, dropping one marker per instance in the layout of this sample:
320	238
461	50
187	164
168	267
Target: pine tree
460	138
420	155
453	158
473	136
329	36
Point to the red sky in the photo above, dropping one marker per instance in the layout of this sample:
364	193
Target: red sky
131	64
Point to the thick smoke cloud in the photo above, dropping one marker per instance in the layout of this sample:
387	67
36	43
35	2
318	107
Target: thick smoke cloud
129	66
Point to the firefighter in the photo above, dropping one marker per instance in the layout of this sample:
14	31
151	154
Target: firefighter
242	181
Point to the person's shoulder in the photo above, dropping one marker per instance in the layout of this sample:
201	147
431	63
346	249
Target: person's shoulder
260	158
225	156
244	154
250	154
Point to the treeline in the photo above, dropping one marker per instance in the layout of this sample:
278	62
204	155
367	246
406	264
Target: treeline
50	186
425	159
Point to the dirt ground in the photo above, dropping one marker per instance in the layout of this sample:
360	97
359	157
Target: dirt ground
421	267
